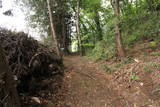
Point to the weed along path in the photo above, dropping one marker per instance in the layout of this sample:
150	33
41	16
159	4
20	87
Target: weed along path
87	86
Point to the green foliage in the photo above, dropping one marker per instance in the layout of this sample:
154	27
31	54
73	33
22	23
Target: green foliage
135	78
148	69
108	69
156	53
119	65
127	60
88	45
153	44
103	50
144	27
139	20
151	66
123	62
137	24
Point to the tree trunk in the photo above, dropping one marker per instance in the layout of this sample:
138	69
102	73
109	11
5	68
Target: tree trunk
8	92
78	27
120	49
63	22
53	30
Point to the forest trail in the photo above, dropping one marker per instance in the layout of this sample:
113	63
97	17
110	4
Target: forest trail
88	86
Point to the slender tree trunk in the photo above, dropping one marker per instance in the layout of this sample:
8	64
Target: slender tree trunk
63	22
8	90
78	27
53	29
120	49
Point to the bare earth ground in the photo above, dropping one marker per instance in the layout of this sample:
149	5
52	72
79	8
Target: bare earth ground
88	85
133	84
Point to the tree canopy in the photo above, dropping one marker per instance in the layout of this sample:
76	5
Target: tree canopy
99	23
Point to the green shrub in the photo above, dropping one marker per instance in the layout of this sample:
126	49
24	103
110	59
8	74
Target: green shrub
103	50
137	27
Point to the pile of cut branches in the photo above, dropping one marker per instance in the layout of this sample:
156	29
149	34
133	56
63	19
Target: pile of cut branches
37	70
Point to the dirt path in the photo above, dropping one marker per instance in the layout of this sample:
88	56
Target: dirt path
87	85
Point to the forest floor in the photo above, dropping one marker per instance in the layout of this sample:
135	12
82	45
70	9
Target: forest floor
87	85
133	82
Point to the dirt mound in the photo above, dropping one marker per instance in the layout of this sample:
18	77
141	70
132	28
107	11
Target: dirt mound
37	71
